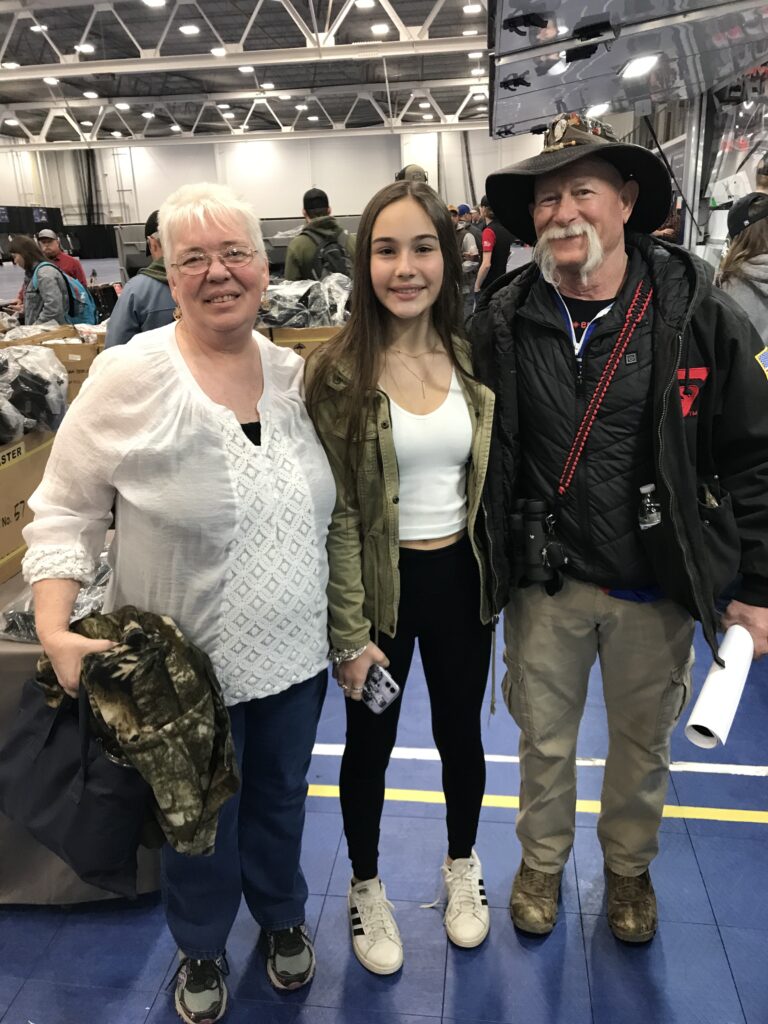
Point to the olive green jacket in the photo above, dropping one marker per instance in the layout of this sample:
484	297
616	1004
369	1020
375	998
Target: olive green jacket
363	541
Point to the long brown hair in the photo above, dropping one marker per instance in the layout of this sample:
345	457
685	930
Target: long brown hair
751	242
359	344
28	249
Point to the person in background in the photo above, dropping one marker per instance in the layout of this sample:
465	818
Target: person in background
412	172
321	234
50	245
145	301
631	407
743	273
407	432
197	433
470	256
761	175
45	293
465	216
497	241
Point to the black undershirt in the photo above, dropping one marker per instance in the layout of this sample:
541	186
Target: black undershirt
252	431
583	312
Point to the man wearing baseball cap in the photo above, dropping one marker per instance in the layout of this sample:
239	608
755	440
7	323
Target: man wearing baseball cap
322	246
49	242
627	487
145	301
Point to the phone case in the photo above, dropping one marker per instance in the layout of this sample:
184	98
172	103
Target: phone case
379	689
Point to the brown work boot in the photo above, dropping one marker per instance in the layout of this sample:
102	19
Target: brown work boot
631	906
533	903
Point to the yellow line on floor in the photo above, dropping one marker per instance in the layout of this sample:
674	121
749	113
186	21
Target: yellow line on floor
426	796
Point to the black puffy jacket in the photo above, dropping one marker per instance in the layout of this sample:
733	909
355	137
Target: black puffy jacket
709	421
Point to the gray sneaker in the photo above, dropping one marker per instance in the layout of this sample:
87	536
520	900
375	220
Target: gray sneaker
201	995
290	957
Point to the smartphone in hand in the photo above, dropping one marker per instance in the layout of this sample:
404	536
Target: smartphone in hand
379	689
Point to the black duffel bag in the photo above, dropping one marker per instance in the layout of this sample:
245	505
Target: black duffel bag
78	801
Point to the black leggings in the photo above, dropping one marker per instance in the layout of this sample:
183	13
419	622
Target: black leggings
439	606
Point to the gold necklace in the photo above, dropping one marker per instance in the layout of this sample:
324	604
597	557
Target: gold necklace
421	380
410	355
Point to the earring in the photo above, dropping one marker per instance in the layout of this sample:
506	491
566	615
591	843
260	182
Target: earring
177	314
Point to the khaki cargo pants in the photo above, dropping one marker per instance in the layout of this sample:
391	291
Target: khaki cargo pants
646	658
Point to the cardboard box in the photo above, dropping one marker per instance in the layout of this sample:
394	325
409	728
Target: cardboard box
22	465
303	339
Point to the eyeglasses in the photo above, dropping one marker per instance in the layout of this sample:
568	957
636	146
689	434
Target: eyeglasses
198	262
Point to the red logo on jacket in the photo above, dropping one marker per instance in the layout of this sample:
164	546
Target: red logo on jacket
691	382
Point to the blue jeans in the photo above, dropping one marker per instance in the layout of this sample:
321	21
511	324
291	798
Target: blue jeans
258	842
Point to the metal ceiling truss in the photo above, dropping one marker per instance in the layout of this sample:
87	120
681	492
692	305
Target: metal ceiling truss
264	119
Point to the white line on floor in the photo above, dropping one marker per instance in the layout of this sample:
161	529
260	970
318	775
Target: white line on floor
428	754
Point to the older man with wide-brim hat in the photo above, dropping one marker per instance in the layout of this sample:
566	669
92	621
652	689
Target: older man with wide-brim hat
627	487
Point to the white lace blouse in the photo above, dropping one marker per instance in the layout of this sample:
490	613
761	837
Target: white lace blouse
226	537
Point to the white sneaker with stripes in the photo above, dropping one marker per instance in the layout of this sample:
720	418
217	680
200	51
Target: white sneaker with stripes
375	936
466	919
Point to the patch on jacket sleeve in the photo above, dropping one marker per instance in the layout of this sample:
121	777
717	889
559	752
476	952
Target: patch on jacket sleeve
762	358
691	381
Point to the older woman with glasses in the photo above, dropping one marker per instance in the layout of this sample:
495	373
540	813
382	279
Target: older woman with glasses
198	434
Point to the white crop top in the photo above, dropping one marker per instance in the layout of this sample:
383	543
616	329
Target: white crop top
432	455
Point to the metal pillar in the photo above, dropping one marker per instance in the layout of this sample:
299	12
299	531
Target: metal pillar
694	162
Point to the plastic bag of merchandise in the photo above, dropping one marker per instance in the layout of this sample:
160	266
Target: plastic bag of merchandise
17	620
8	321
337	288
35	383
19	333
294	304
13	425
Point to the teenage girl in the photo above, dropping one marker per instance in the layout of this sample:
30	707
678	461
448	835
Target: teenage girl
407	430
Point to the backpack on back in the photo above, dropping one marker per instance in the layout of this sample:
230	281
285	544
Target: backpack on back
82	308
331	255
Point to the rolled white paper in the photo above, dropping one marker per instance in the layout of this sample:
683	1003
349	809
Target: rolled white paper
714	711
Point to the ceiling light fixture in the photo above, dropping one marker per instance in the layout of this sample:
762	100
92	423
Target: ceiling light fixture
598	110
122	106
223	106
481	108
85	48
175	128
365	5
12	122
313	117
640	66
116	135
469	32
380	28
51	81
189	30
38	28
154	3
90	95
425	106
748	104
267	85
87	124
478	97
229	115
285	96
475	55
427	117
301	106
218	51
147	114
472	8
477	72
10	65
246	69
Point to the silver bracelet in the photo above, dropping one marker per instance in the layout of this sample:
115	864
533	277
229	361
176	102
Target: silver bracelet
341	654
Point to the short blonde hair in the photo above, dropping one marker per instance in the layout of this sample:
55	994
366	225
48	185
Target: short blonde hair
205	201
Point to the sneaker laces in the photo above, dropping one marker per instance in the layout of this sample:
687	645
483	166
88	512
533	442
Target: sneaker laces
629	888
375	912
462	884
201	974
289	942
538	883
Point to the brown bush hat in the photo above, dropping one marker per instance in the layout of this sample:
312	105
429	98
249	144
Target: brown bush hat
572	137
